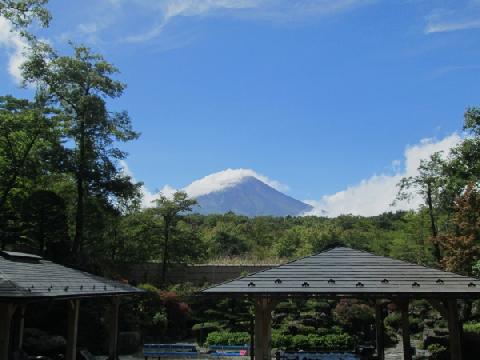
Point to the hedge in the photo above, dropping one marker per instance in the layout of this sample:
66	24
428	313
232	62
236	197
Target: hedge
227	338
329	342
472	327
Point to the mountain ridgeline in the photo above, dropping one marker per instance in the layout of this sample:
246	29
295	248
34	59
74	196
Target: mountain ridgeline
250	197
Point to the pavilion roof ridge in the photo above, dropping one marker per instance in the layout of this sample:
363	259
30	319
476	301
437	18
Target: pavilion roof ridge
344	270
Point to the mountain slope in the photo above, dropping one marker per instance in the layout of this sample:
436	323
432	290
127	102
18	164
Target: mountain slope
250	197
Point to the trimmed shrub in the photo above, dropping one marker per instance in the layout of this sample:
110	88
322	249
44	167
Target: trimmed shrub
393	320
227	338
438	352
202	330
328	342
472	328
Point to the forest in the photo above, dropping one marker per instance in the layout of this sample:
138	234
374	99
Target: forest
65	196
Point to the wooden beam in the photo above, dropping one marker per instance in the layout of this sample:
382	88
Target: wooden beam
454	330
380	330
113	345
72	329
6	313
407	348
263	328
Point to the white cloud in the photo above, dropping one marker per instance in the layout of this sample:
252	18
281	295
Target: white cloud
147	196
15	46
371	196
374	195
268	9
440	27
175	8
448	20
225	179
211	183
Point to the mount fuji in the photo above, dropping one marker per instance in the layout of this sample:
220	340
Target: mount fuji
244	193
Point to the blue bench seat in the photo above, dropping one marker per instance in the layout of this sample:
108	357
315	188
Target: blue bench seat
170	350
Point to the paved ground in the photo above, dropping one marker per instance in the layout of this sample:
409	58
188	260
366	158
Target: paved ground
396	353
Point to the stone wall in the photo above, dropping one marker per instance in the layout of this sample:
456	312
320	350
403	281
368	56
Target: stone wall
196	274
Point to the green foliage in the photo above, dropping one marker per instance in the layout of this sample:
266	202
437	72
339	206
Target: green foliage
328	342
438	352
355	316
472	327
227	338
148	288
21	13
77	86
46	224
29	150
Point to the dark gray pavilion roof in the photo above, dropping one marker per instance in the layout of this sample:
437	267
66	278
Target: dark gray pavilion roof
347	272
29	277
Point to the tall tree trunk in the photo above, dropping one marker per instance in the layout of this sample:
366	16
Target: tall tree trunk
166	235
80	179
436	247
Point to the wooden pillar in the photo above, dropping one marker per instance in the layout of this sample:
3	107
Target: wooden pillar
19	319
72	329
113	333
380	330
263	329
454	330
6	313
407	348
251	350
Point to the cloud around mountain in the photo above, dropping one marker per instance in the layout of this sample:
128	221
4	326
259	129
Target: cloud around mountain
369	197
228	178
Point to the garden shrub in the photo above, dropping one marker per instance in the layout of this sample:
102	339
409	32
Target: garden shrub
438	352
354	316
472	327
227	338
328	342
202	330
391	337
283	341
415	324
301	341
393	320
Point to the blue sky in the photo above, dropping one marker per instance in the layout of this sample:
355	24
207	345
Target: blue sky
319	95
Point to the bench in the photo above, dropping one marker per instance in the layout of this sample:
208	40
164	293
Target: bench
228	350
170	350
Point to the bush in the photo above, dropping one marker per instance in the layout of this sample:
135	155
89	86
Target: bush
227	338
354	315
472	328
415	324
393	320
332	342
280	340
329	342
439	352
202	330
148	288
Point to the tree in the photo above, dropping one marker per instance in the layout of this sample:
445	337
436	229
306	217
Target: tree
462	248
29	147
45	223
171	210
463	166
78	86
21	13
428	184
